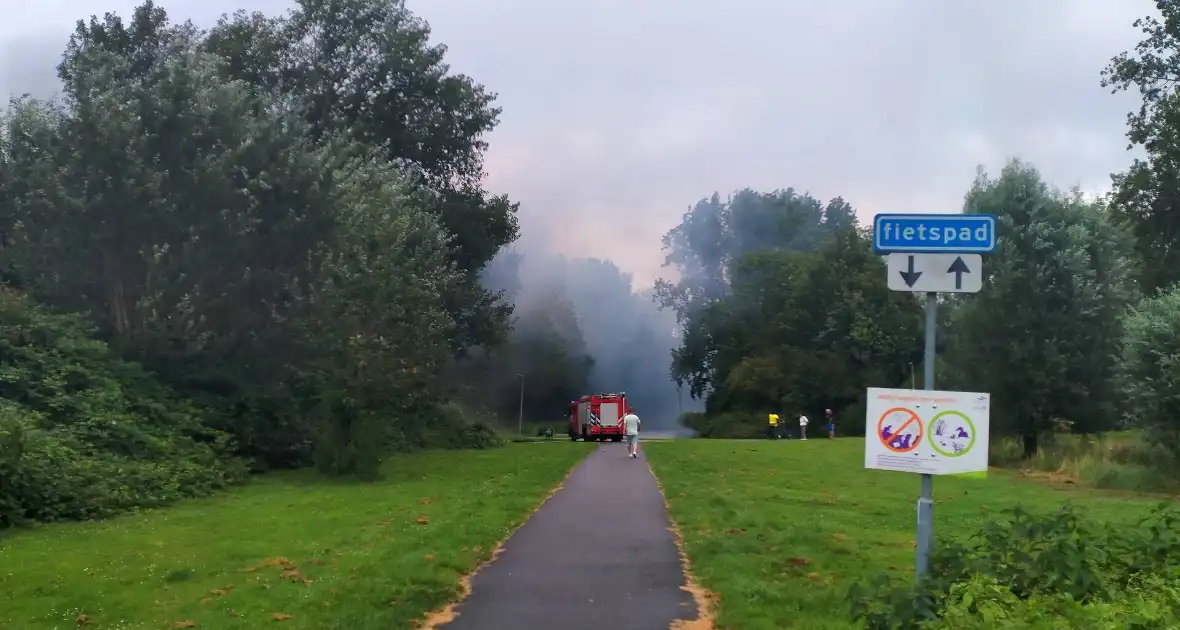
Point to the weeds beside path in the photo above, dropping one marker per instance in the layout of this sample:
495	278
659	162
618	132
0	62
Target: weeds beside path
290	547
779	530
1124	461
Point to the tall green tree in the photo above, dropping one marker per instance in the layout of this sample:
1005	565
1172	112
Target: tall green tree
111	208
1150	368
375	317
1042	337
706	249
367	70
1148	193
714	234
801	331
296	271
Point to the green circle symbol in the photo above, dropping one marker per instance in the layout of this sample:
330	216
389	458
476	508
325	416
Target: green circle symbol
970	427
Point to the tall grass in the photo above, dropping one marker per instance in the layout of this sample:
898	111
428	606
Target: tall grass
1123	460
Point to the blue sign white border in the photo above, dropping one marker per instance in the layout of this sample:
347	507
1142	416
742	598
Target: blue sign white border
936	249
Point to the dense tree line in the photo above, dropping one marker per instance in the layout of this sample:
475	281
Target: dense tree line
268	244
785	307
280	226
282	218
810	323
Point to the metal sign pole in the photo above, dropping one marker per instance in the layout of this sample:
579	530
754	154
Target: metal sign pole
926	501
931	254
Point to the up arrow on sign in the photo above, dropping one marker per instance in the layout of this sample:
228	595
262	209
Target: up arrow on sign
958	268
936	273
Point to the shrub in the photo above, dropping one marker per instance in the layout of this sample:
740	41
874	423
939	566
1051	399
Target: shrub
1123	460
1150	368
355	442
450	425
731	424
983	603
1049	565
460	429
84	434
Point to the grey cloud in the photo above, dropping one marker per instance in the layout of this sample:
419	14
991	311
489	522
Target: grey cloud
622	113
619	114
33	37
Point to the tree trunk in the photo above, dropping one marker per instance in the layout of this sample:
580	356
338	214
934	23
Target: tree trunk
1030	445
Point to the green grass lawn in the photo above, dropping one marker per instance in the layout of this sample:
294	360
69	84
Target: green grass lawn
778	530
291	547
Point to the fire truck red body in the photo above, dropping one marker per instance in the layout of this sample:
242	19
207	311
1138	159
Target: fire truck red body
598	417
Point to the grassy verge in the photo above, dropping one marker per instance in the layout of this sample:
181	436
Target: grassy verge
532	431
1113	461
291	547
779	530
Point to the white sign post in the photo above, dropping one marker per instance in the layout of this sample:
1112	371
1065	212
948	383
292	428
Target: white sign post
926	431
932	254
938	273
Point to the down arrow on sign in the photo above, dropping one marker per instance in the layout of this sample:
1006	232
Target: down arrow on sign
909	275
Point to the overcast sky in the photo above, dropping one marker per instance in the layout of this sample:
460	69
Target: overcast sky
618	114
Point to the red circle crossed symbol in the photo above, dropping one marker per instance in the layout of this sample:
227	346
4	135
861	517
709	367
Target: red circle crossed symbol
888	440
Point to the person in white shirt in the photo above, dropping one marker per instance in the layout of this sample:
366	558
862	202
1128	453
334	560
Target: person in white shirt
631	428
803	426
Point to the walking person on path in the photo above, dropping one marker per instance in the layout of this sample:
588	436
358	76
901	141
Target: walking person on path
772	426
803	426
831	423
631	428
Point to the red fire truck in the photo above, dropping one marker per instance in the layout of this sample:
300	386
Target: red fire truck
598	417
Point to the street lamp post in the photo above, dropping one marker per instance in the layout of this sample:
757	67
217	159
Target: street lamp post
520	418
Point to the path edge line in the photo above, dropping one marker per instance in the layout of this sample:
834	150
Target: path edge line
705	599
447	614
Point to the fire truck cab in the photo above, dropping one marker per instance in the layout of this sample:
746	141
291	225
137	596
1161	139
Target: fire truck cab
598	417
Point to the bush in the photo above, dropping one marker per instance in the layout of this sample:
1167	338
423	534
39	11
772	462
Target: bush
1124	460
348	440
84	434
731	424
983	603
695	420
451	426
1150	368
1054	568
355	442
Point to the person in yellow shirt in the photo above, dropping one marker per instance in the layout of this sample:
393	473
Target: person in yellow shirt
772	426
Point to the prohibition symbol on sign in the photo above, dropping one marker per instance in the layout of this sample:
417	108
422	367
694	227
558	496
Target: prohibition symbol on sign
900	430
952	434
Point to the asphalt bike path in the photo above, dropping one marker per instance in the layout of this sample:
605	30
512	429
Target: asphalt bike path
598	554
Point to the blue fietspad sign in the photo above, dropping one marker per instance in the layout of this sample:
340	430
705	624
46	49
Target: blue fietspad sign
934	233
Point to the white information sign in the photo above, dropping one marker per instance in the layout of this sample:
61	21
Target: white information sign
930	432
937	273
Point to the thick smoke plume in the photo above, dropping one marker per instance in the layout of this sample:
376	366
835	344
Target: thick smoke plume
612	334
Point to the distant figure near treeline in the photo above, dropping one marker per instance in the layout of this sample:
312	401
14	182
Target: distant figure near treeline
772	426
